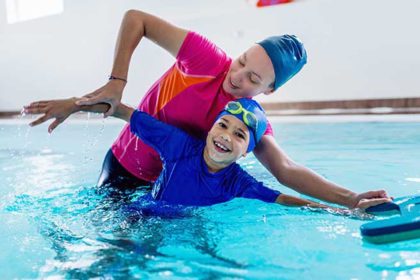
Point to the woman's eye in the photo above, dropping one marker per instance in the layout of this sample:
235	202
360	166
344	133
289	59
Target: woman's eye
222	125
253	80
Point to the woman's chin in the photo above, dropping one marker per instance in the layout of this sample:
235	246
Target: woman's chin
226	87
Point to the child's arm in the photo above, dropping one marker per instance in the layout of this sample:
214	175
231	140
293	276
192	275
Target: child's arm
123	112
289	200
61	109
169	141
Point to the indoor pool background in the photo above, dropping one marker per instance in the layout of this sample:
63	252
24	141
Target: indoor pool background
54	224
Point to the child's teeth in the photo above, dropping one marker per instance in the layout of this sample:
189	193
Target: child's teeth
221	146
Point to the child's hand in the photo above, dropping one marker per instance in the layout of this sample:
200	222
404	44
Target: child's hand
59	109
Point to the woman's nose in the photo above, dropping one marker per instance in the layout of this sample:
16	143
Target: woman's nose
237	77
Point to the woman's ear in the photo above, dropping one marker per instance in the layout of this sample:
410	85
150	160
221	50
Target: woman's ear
269	91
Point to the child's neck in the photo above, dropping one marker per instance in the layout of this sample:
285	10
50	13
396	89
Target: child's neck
212	166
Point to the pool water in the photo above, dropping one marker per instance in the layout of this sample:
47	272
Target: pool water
55	225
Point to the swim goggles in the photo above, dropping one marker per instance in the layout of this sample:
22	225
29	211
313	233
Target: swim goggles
249	118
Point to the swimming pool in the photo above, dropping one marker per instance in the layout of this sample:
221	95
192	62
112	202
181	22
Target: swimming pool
53	223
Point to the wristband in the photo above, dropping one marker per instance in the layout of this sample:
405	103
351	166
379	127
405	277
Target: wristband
116	78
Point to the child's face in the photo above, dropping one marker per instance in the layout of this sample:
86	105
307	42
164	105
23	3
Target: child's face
250	74
227	141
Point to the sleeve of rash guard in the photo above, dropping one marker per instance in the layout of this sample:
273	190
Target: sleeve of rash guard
170	142
251	188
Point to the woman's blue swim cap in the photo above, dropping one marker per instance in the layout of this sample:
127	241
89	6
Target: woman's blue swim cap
257	130
287	54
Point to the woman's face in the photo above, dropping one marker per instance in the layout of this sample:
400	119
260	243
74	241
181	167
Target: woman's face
250	74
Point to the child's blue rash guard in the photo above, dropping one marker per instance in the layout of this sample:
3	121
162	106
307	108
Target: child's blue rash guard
185	178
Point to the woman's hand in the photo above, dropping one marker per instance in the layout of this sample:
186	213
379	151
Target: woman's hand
60	109
110	93
371	198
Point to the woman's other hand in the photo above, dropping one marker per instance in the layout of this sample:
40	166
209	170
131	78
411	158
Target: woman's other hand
110	93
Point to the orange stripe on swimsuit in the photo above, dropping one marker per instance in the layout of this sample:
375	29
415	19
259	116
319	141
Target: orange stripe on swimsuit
175	83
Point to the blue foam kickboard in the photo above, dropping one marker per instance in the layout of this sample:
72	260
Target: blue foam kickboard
402	227
384	208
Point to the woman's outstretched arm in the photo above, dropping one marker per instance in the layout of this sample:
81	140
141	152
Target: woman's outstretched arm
306	181
135	25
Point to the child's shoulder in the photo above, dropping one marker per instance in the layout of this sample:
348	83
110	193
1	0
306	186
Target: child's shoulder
193	147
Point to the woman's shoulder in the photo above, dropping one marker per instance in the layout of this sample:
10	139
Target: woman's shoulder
199	55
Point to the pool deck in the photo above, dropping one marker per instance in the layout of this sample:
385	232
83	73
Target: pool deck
405	109
344	118
276	117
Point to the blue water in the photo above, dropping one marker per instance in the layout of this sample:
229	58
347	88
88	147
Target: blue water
54	224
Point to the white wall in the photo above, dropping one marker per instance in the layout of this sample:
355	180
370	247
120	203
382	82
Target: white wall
357	49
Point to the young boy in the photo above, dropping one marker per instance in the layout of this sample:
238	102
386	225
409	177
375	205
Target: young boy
198	173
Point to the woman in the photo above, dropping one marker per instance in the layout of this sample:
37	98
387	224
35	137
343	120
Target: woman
189	95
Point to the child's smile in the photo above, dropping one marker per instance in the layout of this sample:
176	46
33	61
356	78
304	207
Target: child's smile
221	147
